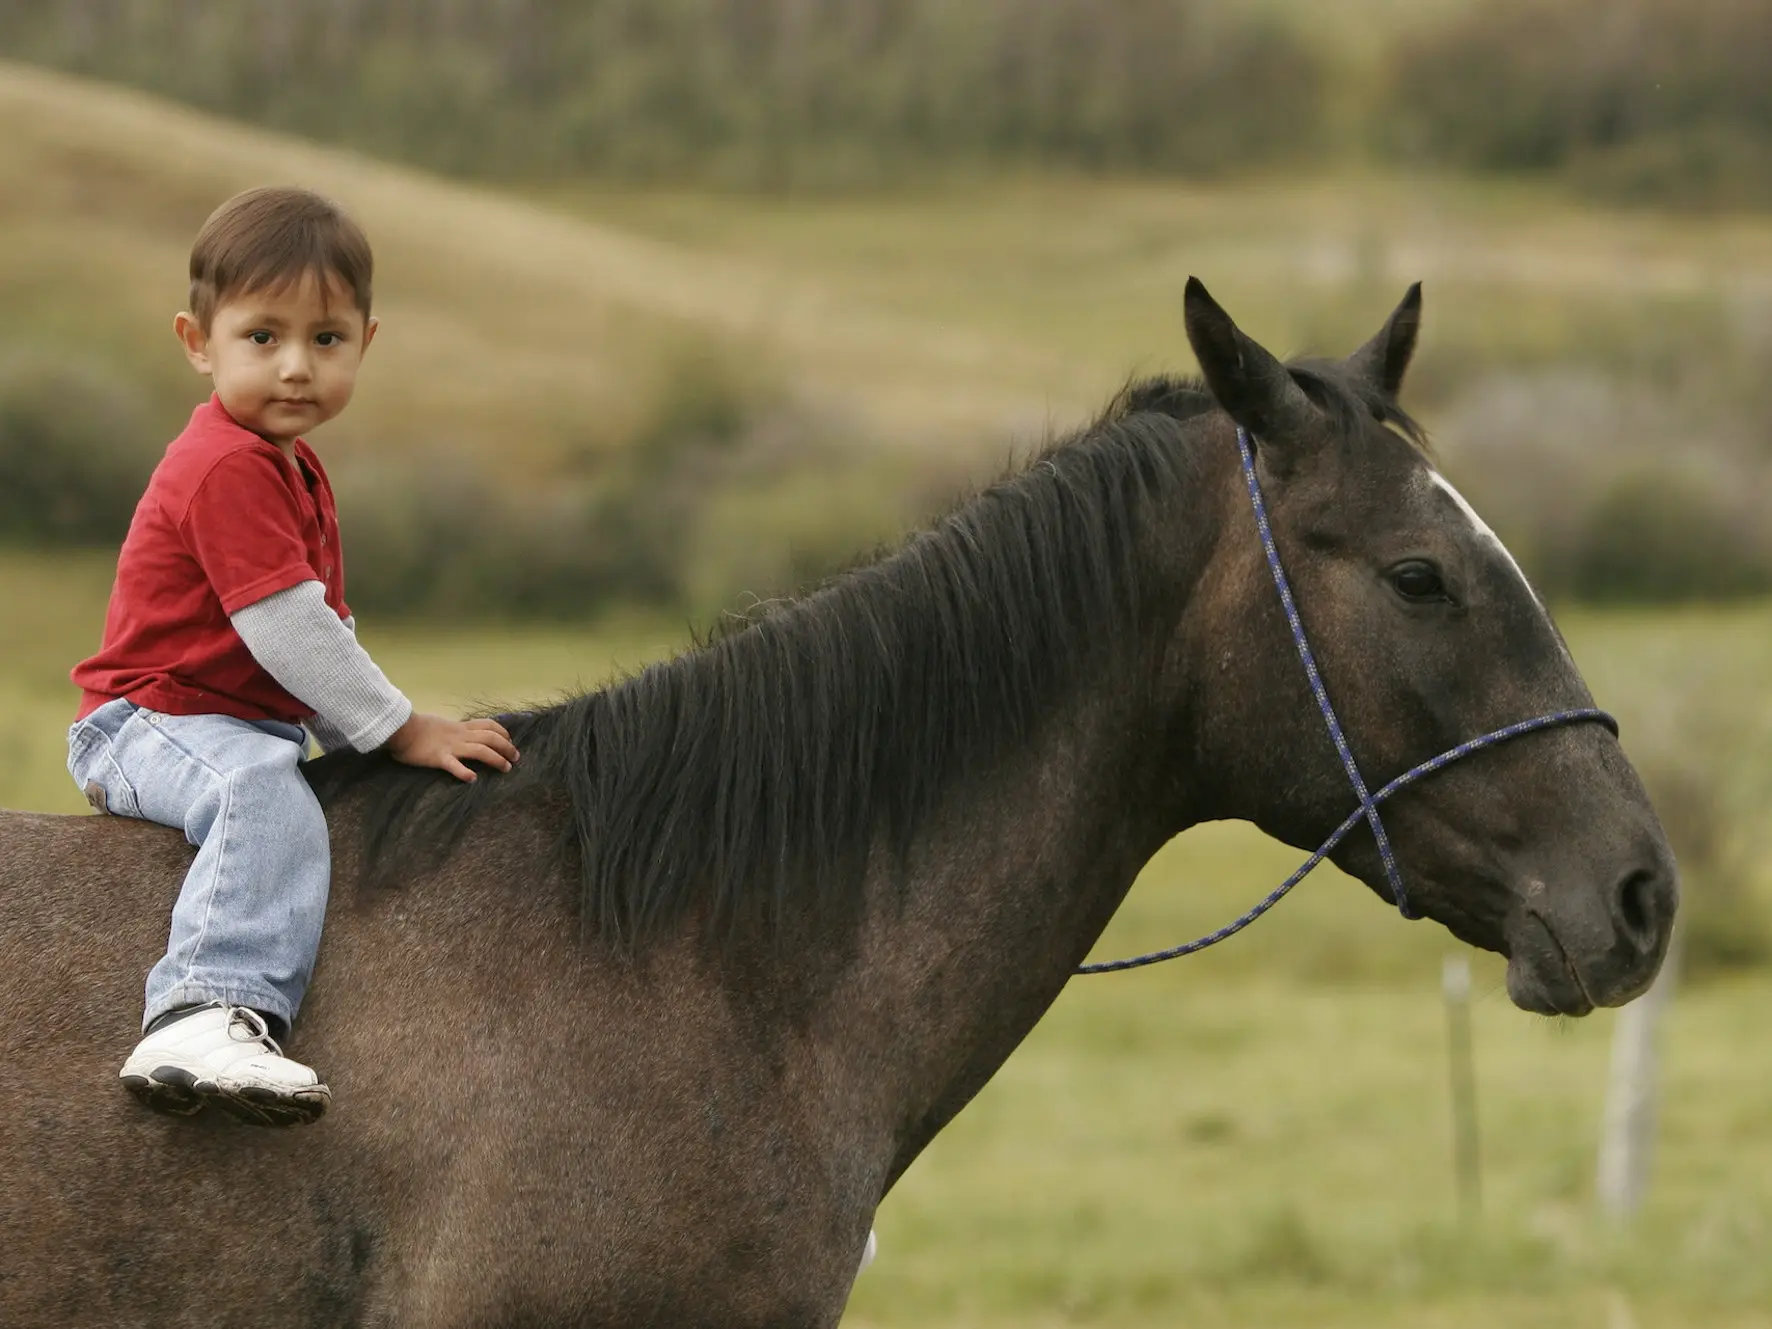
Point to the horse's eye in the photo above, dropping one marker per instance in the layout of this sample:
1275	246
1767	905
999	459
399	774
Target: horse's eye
1418	581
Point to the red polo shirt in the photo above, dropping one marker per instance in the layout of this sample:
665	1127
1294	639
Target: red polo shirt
227	519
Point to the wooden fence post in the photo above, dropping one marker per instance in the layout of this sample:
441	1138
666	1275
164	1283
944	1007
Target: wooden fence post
1627	1130
1455	985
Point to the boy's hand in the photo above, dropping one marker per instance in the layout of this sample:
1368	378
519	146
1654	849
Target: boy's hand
436	740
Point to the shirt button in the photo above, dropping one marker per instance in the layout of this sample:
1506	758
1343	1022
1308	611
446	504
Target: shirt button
323	542
326	571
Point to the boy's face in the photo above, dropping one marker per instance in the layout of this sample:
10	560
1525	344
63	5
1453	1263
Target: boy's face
284	360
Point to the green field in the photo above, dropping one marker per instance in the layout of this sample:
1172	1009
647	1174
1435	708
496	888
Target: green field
1258	1135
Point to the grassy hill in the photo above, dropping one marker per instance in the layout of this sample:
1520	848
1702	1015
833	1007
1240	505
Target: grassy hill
505	325
527	326
855	357
553	364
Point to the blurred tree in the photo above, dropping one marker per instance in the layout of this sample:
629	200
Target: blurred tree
756	93
76	447
1666	100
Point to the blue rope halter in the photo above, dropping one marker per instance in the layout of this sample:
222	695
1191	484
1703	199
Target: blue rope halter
1368	809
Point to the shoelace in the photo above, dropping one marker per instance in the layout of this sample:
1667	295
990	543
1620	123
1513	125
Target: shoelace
254	1023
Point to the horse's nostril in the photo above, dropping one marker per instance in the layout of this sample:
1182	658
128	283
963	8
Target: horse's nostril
1638	909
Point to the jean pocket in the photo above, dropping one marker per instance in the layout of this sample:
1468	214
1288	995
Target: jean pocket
92	760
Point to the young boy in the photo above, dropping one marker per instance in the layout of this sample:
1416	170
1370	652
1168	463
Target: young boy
227	631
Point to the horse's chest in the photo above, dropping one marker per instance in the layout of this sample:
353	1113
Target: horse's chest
546	1252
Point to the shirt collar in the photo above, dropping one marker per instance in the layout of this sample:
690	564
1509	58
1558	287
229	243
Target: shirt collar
305	459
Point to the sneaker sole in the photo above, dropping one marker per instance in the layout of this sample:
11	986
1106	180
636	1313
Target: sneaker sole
176	1092
173	1093
266	1107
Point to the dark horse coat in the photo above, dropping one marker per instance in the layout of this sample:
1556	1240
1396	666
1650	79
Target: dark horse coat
642	1033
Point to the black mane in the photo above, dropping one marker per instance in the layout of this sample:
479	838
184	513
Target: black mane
1348	400
754	774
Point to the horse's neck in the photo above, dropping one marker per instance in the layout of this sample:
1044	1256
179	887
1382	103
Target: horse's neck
1006	895
1023	868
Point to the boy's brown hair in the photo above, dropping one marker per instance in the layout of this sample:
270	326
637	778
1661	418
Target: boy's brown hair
265	237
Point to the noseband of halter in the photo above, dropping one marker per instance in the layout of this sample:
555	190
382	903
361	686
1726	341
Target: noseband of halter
1368	809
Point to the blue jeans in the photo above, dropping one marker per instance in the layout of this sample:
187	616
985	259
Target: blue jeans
247	923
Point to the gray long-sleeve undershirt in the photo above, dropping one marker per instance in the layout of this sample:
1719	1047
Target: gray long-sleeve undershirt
314	655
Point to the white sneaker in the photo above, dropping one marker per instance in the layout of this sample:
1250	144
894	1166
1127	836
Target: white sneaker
225	1055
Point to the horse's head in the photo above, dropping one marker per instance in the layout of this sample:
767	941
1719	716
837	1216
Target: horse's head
1544	848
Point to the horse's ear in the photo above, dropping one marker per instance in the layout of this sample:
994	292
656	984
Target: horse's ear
1250	384
1383	361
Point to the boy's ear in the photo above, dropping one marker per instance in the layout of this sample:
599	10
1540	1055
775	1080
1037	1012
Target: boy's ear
369	327
191	336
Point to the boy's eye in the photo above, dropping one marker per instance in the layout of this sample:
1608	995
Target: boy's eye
330	338
260	337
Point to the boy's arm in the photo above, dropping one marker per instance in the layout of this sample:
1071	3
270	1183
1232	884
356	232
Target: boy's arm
244	528
328	735
301	642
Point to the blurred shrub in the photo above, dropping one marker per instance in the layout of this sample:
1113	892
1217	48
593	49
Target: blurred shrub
727	490
759	93
1606	493
1724	926
77	443
1704	165
1660	533
1664	100
1611	490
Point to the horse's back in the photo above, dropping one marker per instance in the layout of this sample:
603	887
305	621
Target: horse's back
95	1193
83	907
522	1126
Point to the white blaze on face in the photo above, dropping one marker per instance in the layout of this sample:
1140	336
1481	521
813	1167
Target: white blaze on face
1444	485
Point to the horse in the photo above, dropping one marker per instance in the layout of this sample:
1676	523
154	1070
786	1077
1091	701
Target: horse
641	1033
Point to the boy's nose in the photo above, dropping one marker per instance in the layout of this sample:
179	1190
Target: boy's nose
294	367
